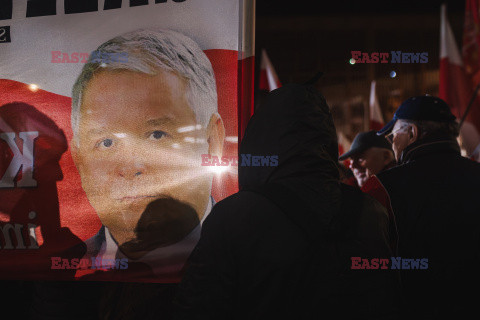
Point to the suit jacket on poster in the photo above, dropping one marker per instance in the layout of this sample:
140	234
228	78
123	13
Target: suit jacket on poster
161	264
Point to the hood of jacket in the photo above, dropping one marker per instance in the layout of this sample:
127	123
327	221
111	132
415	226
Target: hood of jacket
295	126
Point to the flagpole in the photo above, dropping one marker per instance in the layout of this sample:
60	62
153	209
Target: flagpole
470	104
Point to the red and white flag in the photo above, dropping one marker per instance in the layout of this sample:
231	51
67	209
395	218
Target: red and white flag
268	76
456	87
376	118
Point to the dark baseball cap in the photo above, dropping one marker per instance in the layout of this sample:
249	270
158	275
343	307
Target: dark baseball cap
364	141
422	108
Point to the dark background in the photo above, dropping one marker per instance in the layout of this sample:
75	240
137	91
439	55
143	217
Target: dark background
303	37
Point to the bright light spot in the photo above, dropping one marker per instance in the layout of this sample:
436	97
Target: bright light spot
393	74
195	140
232	139
175	146
218	169
120	135
352	61
186	129
103	65
189	128
33	87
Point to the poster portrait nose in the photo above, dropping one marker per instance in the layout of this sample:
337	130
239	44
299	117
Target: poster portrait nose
129	167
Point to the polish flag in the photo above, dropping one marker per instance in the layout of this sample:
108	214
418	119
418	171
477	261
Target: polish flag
376	118
268	77
456	86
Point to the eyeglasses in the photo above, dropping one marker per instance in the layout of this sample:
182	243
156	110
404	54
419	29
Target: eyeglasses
391	135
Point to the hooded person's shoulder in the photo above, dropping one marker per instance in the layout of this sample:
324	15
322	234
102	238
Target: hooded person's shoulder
238	207
253	210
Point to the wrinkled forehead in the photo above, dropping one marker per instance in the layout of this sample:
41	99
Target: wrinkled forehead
126	93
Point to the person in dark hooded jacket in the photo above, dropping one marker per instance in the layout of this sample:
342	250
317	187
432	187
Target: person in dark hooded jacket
282	246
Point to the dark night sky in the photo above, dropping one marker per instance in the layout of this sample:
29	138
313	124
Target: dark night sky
303	37
320	7
321	33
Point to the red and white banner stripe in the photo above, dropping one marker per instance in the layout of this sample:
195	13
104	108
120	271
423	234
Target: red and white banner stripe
376	118
268	76
456	87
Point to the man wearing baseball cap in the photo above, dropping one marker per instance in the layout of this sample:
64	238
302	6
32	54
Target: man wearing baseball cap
434	193
370	154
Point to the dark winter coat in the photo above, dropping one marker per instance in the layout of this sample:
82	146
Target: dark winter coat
435	197
282	246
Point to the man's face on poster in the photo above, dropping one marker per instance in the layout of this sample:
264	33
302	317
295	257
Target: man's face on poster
138	141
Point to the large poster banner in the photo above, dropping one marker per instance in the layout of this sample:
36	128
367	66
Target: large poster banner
119	125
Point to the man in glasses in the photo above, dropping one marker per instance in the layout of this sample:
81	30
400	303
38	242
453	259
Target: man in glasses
434	193
370	154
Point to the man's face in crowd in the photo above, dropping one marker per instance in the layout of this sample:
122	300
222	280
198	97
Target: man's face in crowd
138	140
368	163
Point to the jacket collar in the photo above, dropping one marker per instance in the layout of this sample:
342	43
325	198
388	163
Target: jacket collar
430	146
389	166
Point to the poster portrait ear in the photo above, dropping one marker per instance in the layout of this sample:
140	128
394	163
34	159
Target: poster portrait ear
215	135
74	152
